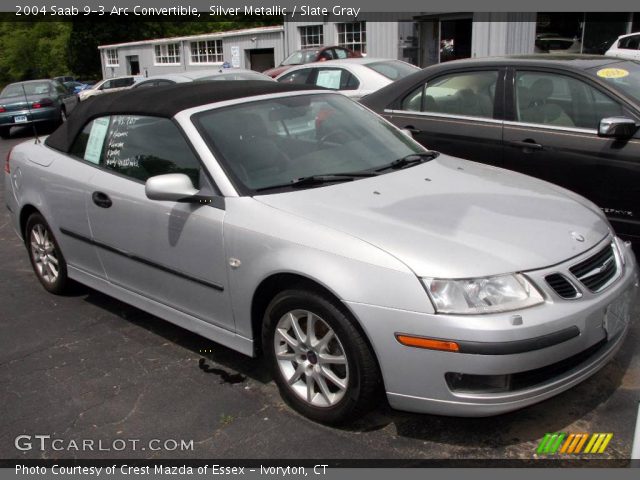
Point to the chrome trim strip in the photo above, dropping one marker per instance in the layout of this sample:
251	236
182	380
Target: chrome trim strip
445	115
142	260
550	127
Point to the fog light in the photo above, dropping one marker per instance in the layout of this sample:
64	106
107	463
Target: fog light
462	382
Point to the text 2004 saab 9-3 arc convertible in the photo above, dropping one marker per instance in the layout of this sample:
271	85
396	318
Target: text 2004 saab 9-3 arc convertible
297	225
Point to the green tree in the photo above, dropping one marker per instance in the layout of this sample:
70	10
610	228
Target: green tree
33	50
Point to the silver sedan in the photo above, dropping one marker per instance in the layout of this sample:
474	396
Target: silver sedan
298	226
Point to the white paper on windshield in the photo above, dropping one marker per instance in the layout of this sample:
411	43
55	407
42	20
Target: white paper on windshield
329	79
96	140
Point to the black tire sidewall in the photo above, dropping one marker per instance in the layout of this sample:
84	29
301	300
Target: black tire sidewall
343	328
61	282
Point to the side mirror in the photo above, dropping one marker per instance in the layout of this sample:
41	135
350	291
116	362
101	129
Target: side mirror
617	127
172	187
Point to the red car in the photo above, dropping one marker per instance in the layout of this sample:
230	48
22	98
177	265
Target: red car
310	55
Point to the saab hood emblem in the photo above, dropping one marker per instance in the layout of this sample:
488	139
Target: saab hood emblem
577	237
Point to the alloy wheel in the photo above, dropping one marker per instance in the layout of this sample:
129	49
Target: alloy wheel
311	358
43	252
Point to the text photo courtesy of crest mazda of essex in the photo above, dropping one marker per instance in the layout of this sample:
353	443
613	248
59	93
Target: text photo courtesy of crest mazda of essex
318	232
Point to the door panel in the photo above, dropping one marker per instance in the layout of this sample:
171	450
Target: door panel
472	139
66	193
170	252
605	171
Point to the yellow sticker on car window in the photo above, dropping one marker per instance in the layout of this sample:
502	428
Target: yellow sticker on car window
613	73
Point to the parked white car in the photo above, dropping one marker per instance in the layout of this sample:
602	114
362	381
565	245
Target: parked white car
557	45
110	85
626	46
354	77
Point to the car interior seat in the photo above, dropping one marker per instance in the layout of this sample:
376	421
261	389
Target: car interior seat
539	109
473	104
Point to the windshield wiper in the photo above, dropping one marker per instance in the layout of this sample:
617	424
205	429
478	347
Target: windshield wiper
409	161
319	180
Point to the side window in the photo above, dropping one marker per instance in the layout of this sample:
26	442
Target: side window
340	53
107	85
137	147
60	88
348	81
413	101
326	55
336	79
151	83
298	77
560	100
470	94
89	143
142	147
630	43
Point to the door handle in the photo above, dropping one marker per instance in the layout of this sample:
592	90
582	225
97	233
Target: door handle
101	199
528	144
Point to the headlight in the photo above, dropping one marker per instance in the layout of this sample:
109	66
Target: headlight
482	295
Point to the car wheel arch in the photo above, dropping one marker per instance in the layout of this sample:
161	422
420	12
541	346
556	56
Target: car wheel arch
26	211
278	282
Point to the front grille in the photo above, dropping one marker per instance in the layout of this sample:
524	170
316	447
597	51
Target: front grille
596	271
562	286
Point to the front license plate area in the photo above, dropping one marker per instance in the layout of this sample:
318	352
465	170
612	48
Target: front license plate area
19	119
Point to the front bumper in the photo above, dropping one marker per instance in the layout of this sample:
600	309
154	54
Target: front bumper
415	379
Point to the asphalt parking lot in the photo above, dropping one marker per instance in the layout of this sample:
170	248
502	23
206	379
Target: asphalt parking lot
86	366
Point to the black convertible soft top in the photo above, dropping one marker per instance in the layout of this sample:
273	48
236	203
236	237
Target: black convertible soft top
165	101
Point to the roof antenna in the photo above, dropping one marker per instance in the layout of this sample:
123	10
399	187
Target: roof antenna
33	125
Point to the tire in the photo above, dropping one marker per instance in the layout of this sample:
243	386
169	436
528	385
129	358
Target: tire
5	132
39	241
62	118
301	372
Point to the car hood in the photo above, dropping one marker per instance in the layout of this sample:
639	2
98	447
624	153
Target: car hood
452	218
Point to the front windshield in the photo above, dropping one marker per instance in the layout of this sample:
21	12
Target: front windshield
300	57
623	76
30	88
276	141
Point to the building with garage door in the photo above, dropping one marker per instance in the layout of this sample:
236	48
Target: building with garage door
254	48
422	39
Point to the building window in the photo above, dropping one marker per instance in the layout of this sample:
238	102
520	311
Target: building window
206	51
353	35
167	54
311	36
112	57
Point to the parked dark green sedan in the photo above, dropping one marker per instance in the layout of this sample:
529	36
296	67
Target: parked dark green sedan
40	102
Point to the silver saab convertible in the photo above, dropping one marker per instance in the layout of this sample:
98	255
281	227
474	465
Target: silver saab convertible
298	225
